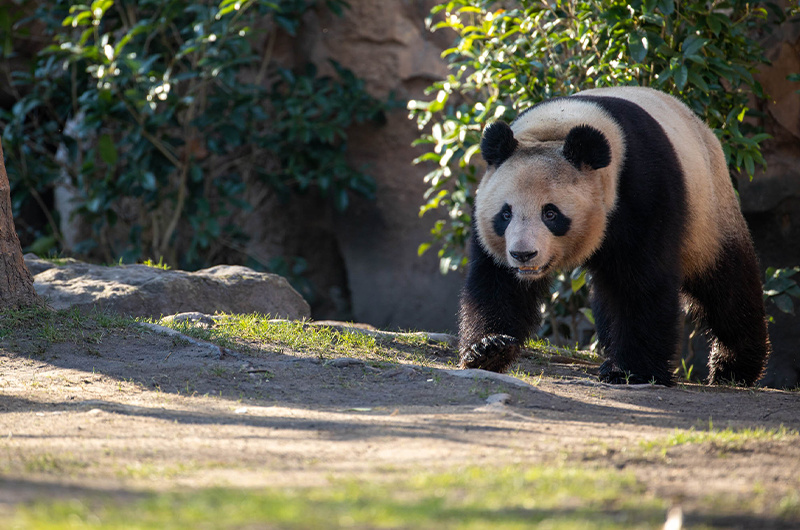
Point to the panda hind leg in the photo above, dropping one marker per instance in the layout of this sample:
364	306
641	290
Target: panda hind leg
728	300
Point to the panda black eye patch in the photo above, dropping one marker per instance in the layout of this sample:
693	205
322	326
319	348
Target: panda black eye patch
501	220
554	220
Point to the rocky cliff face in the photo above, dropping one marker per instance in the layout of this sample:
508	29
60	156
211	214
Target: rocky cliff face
386	44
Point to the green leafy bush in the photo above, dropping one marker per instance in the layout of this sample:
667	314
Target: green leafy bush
508	58
780	287
159	113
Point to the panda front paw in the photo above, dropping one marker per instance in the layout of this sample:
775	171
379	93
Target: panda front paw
493	352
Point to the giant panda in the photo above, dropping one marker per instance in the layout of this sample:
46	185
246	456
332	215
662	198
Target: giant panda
629	183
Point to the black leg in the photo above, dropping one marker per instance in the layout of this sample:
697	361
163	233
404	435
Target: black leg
729	301
498	312
637	327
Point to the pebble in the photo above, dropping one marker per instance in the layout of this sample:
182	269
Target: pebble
499	399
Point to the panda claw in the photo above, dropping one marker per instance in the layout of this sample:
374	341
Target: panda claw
493	352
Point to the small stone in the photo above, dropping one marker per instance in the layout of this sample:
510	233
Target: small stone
498	399
402	372
194	318
344	362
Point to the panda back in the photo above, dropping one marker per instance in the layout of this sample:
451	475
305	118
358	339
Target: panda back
712	208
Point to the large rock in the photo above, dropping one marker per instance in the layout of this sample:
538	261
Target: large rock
139	290
386	44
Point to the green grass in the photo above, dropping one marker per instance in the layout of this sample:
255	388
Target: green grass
511	497
547	350
723	440
61	465
160	264
258	333
69	325
58	262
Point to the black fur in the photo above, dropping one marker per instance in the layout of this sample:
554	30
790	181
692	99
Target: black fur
502	220
735	317
498	312
636	274
498	143
555	220
586	145
637	278
636	300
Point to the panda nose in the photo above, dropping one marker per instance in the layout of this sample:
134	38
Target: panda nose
523	257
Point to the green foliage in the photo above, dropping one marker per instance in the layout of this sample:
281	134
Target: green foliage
44	326
780	287
160	113
568	309
685	371
505	60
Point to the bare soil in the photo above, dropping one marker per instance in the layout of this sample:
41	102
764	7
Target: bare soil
136	410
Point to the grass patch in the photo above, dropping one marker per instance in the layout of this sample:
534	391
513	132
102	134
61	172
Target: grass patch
529	378
546	352
69	325
258	333
723	440
52	464
160	264
510	497
58	262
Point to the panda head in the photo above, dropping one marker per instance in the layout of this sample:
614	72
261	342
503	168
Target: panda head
539	206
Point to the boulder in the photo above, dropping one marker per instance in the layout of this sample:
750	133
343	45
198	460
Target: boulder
142	291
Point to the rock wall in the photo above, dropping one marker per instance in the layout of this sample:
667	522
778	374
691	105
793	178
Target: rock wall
771	201
386	44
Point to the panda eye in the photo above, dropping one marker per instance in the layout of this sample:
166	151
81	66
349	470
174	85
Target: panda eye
501	220
555	220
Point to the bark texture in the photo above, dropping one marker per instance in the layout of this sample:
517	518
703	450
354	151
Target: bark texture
16	282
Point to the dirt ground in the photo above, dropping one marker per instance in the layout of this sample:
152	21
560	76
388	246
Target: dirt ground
137	410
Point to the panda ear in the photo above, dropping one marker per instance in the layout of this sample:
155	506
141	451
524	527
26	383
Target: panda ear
498	143
586	145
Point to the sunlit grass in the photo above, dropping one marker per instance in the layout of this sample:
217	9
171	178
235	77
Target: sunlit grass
723	440
545	350
160	264
67	325
260	333
510	497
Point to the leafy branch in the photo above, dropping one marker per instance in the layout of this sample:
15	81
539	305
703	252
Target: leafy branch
145	110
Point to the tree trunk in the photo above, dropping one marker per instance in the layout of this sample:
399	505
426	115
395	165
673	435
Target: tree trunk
16	282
